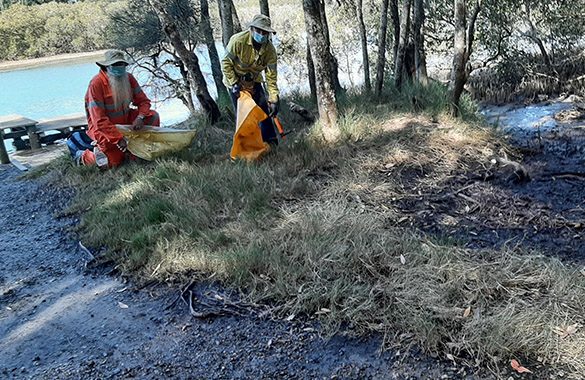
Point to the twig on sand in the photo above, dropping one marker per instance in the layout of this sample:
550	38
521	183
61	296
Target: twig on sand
87	251
213	304
181	293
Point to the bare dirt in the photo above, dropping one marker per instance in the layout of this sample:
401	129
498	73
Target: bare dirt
540	211
60	320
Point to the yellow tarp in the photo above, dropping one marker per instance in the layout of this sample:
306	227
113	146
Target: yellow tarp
248	144
152	142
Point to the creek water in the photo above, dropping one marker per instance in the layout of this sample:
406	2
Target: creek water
529	118
55	90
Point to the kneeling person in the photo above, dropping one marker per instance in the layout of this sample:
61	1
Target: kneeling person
107	103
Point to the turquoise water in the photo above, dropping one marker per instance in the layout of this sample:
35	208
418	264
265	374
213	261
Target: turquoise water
45	92
56	90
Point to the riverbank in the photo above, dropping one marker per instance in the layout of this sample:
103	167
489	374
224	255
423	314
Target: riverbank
53	60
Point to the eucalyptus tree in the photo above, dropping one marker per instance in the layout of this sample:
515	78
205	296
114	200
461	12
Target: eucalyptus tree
227	21
230	21
169	21
381	63
395	16
399	66
207	32
359	5
320	52
463	47
264	8
164	37
420	61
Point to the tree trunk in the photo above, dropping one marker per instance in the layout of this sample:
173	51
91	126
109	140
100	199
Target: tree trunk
235	18
533	35
381	64
190	61
463	44
321	55
420	61
222	94
227	23
460	44
332	58
311	72
395	15
364	40
185	95
402	45
264	8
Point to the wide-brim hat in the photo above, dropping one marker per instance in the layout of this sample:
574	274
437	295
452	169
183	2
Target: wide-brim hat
262	22
113	56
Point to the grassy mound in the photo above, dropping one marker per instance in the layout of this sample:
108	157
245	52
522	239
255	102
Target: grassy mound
314	229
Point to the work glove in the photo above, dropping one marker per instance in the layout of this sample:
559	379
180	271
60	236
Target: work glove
122	144
138	123
273	108
236	90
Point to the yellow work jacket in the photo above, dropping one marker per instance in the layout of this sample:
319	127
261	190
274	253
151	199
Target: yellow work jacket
241	58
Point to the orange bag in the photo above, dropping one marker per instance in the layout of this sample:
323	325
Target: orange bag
248	144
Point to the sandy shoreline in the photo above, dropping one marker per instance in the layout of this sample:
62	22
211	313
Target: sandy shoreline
37	62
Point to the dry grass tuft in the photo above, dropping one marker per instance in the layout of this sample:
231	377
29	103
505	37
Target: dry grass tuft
336	257
314	230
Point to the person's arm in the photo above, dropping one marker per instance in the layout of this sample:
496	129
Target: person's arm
104	131
272	76
227	64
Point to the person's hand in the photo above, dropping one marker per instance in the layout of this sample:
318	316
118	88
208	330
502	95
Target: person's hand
122	144
138	123
236	90
273	108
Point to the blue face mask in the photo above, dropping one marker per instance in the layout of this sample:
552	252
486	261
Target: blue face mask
117	71
259	38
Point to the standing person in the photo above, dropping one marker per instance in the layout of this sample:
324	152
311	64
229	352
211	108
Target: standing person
248	54
107	103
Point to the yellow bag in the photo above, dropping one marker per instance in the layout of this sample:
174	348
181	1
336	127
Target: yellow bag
150	142
248	144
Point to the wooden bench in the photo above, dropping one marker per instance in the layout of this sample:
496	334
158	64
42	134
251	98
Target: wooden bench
17	126
65	125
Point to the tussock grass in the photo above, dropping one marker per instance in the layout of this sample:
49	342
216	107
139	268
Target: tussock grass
312	229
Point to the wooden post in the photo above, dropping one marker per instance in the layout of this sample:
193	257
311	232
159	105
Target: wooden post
4	159
33	137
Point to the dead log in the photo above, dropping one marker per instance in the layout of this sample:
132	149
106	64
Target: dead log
516	172
302	112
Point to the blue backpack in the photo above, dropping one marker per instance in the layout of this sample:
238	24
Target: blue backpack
77	143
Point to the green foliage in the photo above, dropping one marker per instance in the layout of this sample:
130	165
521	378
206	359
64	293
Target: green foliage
31	31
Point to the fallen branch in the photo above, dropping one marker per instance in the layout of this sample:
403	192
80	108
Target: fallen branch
303	112
214	305
519	173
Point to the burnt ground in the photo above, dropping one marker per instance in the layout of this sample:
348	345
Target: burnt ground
60	320
537	207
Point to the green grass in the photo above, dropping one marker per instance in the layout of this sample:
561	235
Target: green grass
310	229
